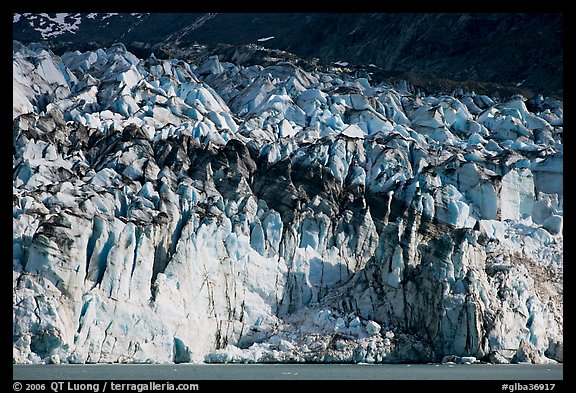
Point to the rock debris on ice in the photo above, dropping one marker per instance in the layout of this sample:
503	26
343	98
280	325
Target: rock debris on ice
173	211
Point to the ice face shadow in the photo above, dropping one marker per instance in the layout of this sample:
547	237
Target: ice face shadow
314	280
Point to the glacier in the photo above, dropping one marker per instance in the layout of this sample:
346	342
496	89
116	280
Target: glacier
204	211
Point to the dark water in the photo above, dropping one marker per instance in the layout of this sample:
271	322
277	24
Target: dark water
196	372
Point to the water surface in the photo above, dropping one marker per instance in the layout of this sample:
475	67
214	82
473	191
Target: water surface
196	372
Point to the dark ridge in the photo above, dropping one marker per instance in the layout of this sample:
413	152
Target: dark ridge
491	53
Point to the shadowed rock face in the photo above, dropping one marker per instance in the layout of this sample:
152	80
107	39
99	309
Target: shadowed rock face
491	53
330	221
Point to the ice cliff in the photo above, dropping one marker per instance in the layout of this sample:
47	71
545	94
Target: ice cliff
167	211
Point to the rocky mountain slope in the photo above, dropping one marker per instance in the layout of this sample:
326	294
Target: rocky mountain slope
173	211
511	50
